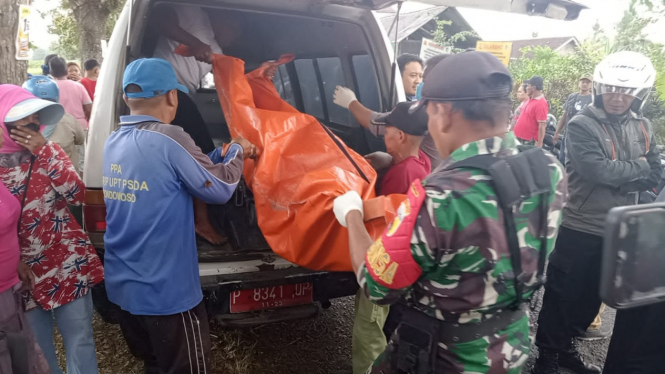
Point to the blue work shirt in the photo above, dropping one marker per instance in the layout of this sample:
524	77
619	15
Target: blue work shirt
151	172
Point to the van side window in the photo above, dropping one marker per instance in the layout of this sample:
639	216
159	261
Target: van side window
208	82
319	77
368	92
281	81
283	85
333	76
309	87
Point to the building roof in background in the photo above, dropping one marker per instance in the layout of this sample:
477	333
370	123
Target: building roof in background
554	43
409	21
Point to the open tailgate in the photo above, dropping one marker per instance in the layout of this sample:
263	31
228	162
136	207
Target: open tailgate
557	9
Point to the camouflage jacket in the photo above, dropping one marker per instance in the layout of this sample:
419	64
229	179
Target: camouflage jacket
459	242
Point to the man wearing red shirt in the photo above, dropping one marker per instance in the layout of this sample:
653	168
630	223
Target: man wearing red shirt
530	127
91	67
403	134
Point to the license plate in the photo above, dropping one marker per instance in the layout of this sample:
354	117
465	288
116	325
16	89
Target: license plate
271	297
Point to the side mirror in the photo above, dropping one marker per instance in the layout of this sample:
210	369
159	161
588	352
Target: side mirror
633	269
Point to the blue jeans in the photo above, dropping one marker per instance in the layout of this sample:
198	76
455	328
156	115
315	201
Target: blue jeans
74	321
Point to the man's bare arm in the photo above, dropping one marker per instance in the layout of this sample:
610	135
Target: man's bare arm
166	23
359	239
542	126
560	126
87	111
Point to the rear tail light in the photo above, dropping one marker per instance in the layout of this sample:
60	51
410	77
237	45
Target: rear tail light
94	211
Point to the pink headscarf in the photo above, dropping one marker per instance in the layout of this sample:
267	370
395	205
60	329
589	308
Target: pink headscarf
11	95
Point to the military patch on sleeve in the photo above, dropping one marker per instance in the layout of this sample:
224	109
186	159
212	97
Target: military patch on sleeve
380	262
403	211
389	260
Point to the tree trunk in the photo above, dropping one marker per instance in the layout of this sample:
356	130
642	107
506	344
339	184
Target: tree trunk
91	17
11	70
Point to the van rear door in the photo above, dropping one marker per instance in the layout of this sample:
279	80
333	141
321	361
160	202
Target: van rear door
557	9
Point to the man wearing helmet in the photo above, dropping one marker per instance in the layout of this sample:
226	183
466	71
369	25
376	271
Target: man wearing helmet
611	156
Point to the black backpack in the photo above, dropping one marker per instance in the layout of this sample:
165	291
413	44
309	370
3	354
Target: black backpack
517	178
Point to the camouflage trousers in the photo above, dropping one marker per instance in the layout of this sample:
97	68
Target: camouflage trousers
505	352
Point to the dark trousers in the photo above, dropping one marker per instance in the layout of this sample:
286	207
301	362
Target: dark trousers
189	118
394	319
173	344
571	299
637	345
562	152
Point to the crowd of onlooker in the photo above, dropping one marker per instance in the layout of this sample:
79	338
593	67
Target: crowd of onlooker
75	93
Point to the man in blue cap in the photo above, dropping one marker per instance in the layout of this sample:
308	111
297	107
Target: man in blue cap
152	171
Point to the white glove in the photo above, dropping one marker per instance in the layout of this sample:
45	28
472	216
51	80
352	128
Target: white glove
345	204
344	97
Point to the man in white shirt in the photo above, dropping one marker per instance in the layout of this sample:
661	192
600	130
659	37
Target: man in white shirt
189	25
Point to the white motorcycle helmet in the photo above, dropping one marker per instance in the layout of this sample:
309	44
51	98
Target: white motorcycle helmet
629	73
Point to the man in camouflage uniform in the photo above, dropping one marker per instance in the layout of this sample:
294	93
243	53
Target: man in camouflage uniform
447	252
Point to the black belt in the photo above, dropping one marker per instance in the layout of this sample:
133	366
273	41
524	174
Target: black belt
455	333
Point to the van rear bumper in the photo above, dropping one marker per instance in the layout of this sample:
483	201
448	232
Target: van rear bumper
327	285
219	280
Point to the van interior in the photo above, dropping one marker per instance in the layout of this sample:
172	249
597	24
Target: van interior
328	53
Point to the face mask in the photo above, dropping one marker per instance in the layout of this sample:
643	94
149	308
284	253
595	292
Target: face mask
419	91
30	126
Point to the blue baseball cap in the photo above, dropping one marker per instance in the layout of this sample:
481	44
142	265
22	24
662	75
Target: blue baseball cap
155	76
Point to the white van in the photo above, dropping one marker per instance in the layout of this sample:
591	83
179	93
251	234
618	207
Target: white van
336	42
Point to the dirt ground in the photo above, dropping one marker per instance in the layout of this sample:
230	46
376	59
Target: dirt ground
321	345
593	352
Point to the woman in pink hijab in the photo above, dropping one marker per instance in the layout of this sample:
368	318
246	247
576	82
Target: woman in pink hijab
56	256
12	319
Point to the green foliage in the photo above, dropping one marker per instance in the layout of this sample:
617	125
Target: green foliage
38	54
560	72
65	26
35	67
652	5
654	110
631	37
443	38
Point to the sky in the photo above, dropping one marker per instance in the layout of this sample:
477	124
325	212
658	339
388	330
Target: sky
493	26
39	34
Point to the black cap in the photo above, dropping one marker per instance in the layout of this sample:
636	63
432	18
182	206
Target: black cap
466	76
537	82
410	123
